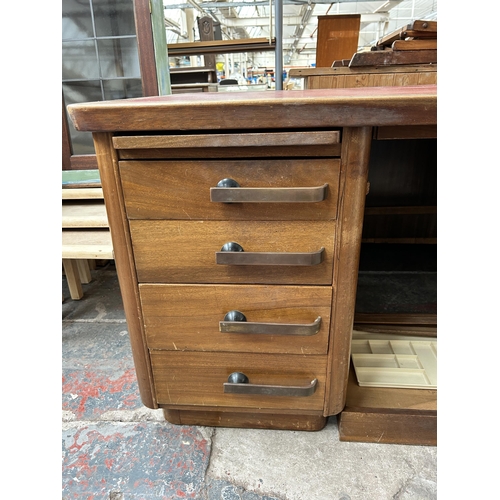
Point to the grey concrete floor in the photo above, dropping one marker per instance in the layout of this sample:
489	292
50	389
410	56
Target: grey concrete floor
115	448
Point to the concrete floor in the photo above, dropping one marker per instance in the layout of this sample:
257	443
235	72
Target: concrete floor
115	448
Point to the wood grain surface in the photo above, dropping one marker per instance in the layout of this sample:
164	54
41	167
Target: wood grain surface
253	419
181	189
197	378
185	317
375	106
184	251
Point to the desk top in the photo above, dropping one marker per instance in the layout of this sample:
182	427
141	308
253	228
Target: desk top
353	107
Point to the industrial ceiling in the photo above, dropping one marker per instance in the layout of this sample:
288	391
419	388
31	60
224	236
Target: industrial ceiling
256	19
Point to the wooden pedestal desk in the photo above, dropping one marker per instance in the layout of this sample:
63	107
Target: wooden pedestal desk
236	221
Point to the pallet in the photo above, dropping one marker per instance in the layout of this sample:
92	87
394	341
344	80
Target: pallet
85	236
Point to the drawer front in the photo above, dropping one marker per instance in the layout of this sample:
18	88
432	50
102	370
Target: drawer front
197	379
230	144
279	319
186	252
299	189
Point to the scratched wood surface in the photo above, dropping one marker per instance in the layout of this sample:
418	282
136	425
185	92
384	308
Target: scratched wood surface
186	317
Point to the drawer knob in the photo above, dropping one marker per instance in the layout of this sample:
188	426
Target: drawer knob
236	322
232	254
228	183
229	191
231	246
234	316
237	378
238	383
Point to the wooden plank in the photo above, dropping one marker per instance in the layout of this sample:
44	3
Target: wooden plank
391	37
317	72
389	57
387	415
91	244
82	194
422	25
427	79
325	82
75	178
83	162
414	45
405	79
416	29
383	80
410	33
221	46
388	427
246	419
84	215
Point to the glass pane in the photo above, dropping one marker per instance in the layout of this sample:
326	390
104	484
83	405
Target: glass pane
76	19
114	17
76	92
122	89
79	60
119	58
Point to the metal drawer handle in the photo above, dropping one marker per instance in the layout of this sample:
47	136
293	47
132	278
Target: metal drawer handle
229	191
237	383
232	254
236	322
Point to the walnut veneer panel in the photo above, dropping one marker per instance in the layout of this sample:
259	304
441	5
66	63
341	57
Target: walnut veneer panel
338	37
197	378
181	189
186	317
184	251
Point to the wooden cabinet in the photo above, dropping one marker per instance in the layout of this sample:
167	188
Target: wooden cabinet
236	222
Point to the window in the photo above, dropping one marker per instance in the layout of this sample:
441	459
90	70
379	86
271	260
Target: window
100	61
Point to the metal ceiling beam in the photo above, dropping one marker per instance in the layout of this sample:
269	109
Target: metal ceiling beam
293	20
263	3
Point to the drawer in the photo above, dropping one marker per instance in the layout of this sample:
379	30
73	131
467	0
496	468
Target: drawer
186	251
197	379
277	319
293	189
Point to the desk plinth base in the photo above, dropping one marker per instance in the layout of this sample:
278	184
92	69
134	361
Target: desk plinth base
247	419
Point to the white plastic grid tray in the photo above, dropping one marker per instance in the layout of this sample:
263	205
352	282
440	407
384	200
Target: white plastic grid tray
394	361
